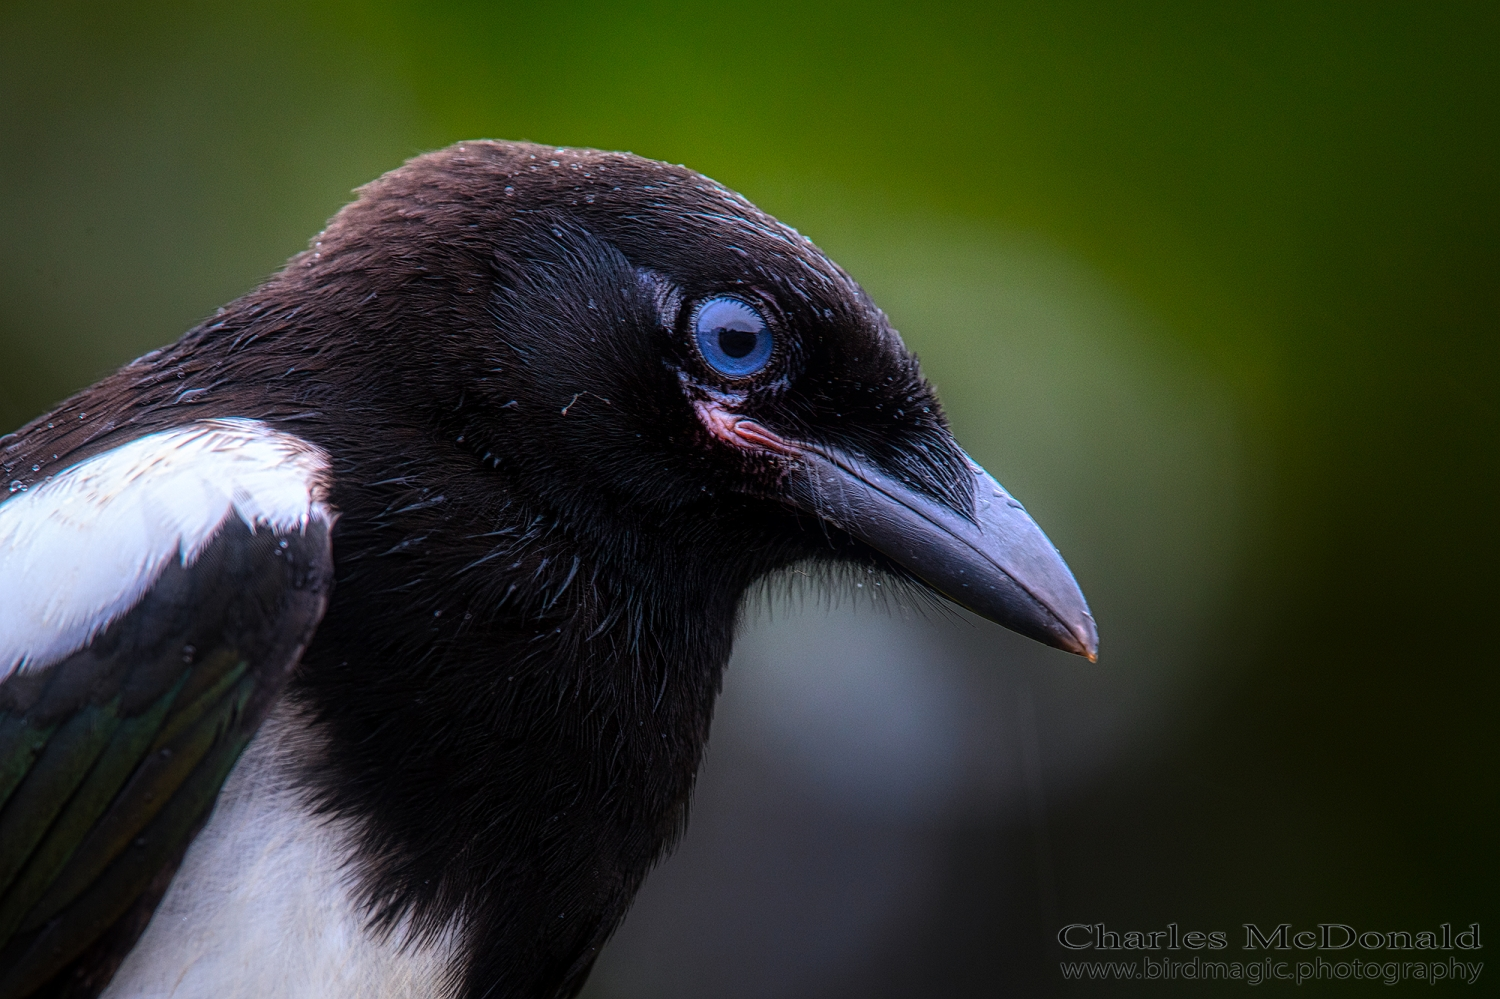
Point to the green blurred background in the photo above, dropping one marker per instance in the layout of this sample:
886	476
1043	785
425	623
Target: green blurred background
1214	290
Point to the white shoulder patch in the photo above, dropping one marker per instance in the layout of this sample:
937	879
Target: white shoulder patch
82	548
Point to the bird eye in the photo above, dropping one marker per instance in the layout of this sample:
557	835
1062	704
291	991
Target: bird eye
732	337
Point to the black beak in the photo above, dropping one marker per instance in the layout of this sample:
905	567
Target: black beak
995	561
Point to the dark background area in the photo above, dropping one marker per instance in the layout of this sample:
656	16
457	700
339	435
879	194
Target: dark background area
1214	291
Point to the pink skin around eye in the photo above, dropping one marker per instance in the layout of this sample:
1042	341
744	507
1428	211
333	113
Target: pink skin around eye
735	430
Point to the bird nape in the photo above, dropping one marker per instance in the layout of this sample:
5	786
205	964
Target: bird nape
364	641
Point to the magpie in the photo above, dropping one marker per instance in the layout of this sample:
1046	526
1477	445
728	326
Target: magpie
364	641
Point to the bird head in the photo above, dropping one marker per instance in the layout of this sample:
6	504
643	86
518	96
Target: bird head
665	368
569	406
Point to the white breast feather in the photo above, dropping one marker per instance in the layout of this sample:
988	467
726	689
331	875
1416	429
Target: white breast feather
262	905
81	549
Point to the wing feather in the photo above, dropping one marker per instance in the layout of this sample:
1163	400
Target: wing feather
111	758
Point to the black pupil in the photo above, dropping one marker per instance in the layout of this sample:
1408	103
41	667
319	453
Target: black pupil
736	343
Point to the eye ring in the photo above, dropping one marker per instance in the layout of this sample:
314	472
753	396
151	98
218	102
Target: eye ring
732	337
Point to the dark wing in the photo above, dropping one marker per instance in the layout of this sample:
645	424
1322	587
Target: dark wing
111	759
112	756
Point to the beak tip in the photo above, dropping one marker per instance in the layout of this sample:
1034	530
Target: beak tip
1089	640
1085	639
1075	638
996	562
1069	629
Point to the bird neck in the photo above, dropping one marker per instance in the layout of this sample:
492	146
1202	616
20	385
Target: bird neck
518	745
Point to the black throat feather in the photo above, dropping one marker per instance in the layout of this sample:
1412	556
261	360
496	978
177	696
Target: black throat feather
514	725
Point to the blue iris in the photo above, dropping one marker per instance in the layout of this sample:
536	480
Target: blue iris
732	337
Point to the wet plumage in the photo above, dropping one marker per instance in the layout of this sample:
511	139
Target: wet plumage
552	414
